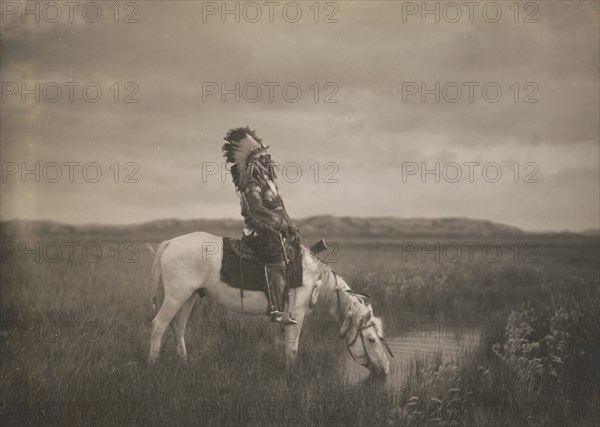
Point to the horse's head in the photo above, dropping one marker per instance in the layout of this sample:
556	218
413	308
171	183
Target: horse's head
363	333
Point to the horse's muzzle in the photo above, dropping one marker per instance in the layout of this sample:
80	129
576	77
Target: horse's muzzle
380	372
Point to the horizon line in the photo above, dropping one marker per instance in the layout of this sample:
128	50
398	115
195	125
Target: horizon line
131	224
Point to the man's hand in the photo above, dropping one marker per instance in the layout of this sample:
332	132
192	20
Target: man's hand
292	232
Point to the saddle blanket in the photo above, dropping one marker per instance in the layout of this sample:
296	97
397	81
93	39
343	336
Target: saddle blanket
242	270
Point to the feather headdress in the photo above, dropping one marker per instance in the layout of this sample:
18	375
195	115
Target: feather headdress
241	151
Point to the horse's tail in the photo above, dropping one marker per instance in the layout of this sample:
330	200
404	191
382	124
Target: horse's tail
157	282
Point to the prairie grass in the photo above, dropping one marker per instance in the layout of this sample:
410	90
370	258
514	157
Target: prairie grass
75	336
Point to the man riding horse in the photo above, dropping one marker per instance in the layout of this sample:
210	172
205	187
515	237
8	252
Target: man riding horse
268	226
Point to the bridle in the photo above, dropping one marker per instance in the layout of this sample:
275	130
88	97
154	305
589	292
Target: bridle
359	330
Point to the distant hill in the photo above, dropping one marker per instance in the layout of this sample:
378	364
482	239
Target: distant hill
326	226
592	232
403	227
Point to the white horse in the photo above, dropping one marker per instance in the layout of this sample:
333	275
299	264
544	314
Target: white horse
190	263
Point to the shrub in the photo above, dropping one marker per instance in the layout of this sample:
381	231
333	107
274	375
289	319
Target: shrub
554	348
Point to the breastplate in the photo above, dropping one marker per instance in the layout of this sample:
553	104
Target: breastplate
271	198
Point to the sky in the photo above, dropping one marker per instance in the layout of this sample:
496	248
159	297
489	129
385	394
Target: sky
347	105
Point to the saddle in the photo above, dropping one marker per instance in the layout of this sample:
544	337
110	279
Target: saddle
241	269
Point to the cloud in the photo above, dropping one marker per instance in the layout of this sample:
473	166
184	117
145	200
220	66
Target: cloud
368	133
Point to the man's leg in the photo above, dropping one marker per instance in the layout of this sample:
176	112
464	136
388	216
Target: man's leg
271	251
271	303
276	273
277	279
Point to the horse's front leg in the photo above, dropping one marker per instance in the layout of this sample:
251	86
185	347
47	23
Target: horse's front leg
291	339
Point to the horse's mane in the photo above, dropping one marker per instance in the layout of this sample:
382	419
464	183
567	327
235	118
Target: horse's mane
352	301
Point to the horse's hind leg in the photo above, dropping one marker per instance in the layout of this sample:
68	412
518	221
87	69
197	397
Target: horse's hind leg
161	321
179	323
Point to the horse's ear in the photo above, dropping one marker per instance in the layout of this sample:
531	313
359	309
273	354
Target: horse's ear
346	324
369	314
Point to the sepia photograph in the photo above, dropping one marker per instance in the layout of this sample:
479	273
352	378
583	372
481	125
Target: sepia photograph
300	213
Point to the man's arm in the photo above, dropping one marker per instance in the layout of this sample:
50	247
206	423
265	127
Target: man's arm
291	229
252	197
